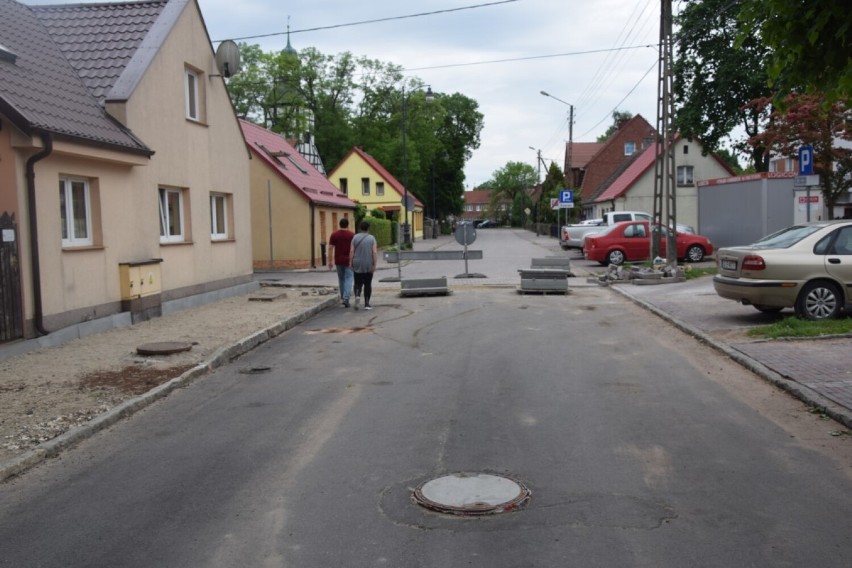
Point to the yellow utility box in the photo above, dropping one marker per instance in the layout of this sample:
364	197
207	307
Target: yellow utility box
140	279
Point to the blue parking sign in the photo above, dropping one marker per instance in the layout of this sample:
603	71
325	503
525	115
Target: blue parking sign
806	160
566	196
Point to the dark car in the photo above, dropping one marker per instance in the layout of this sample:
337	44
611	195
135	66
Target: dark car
486	224
630	240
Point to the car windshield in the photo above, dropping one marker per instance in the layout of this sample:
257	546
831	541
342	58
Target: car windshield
786	238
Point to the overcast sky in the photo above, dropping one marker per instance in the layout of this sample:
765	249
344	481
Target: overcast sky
598	55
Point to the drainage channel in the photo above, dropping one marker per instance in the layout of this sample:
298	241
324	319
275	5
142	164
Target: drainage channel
467	494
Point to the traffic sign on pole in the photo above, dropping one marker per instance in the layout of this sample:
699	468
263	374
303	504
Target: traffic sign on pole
806	160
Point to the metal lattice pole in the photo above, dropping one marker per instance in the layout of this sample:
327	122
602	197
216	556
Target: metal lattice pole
664	171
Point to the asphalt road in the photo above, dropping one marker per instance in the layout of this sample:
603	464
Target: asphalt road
636	447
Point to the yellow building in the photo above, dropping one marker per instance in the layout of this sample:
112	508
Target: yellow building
364	180
294	208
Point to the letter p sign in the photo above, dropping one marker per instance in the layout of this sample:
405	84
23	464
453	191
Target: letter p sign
806	160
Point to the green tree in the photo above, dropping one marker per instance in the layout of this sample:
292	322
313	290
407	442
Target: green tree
618	119
511	183
811	120
358	101
720	66
554	182
810	43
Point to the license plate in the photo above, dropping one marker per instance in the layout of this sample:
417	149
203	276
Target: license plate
729	264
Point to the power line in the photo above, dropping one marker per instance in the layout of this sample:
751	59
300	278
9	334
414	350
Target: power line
364	22
651	68
531	57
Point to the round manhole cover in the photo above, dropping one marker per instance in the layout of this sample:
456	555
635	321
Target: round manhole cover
472	494
163	348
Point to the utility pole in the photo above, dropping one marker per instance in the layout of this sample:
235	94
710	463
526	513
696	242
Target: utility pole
664	169
541	189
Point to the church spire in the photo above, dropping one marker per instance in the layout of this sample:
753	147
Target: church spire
289	49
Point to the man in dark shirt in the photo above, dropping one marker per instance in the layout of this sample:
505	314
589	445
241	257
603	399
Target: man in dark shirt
338	255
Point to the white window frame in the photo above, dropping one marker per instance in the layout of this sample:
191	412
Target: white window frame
629	148
70	238
365	186
166	236
685	176
219	216
191	91
380	188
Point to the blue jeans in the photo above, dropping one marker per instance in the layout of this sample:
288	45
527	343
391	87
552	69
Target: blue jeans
344	281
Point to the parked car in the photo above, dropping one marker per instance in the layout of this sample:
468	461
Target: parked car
631	241
487	224
807	267
571	236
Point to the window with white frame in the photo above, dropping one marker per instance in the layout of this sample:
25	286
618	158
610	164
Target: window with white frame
365	186
219	212
629	148
685	176
75	210
194	94
380	188
171	215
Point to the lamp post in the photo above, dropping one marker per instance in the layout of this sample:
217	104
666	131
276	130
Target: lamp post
406	228
569	174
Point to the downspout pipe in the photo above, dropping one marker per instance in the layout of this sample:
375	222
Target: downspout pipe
38	315
313	235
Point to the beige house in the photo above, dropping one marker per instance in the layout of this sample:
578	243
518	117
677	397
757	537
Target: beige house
294	208
633	188
361	177
123	170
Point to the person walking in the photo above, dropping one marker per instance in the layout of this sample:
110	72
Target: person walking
340	243
364	257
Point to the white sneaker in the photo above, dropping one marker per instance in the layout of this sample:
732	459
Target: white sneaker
357	301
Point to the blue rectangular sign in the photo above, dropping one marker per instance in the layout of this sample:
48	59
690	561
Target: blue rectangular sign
806	160
566	196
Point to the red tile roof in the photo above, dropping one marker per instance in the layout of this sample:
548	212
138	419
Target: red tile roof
280	156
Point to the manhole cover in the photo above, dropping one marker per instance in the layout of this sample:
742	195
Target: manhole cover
163	348
472	494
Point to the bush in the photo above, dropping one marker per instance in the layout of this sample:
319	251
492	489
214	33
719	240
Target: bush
381	229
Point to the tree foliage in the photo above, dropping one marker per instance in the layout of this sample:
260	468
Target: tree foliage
510	185
810	43
346	101
619	117
721	65
811	120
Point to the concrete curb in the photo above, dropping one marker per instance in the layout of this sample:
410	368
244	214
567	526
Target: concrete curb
218	358
803	393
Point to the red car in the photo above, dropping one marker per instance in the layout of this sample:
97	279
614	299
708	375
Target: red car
631	240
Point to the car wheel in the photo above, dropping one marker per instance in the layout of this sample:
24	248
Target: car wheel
695	253
615	257
768	309
818	301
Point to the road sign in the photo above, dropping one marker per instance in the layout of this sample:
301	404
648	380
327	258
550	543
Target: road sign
806	160
554	203
806	181
566	196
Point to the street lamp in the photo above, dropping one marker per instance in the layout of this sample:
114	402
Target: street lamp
406	228
569	173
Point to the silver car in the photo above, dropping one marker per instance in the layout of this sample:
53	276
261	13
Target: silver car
807	267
